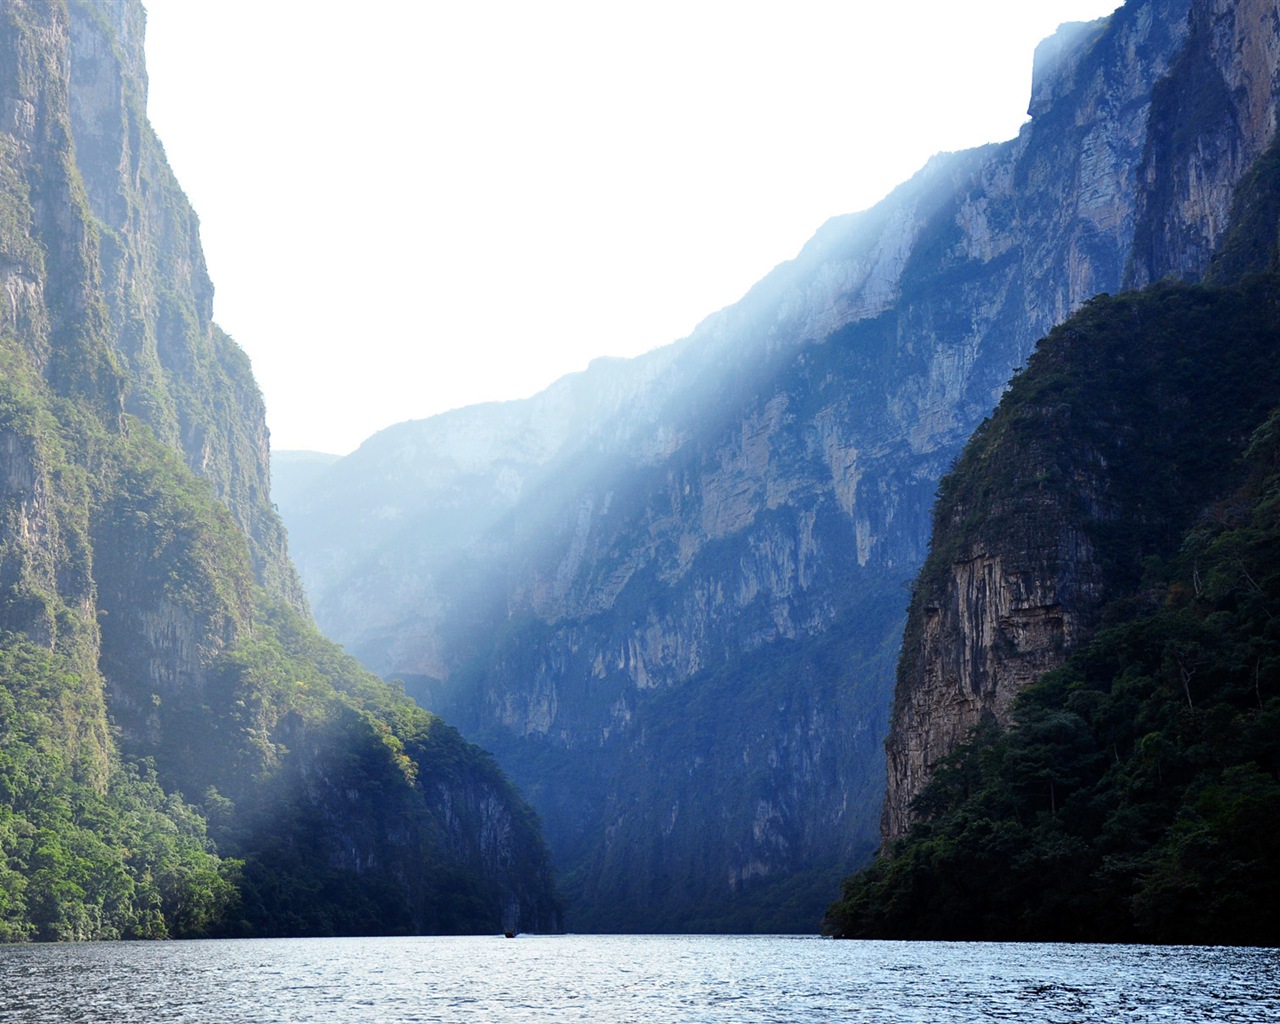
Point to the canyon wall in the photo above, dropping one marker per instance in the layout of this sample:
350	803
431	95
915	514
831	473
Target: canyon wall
668	592
1015	582
162	681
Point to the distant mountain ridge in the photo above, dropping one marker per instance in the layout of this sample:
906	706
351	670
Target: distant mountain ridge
670	579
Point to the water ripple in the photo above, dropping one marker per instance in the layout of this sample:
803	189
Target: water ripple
653	979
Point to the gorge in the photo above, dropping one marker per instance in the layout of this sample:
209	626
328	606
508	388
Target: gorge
987	470
669	592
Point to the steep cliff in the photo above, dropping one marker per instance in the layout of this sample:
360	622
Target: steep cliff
188	380
615	584
1115	523
1015	581
161	690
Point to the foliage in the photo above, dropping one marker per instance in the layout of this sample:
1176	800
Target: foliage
79	862
354	810
345	807
1135	795
1126	420
1251	245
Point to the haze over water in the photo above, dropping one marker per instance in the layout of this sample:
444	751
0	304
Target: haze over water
655	979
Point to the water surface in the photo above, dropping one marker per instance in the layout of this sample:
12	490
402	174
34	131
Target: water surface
648	979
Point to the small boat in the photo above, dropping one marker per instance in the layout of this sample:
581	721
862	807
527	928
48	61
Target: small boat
510	935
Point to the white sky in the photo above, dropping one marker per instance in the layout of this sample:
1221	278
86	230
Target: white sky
412	205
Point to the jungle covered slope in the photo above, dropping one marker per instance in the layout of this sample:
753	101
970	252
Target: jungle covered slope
181	753
1131	793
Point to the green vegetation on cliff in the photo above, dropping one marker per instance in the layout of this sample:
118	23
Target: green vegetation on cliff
1136	796
194	697
1133	798
181	752
356	812
1132	794
82	856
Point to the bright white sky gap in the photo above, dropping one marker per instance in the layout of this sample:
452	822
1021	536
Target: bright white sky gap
412	205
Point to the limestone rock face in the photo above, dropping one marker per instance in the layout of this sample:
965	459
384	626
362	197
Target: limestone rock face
1010	602
683	576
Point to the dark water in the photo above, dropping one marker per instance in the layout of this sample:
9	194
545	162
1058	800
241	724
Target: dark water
646	979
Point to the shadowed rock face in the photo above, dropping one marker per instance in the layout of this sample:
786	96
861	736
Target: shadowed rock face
672	578
994	612
1213	117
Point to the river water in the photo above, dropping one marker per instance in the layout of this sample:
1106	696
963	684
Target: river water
642	978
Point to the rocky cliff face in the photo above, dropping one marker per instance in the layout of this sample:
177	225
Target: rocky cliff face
52	332
145	591
1012	583
690	583
999	607
189	381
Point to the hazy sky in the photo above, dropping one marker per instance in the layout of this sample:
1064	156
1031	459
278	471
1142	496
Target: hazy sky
411	205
